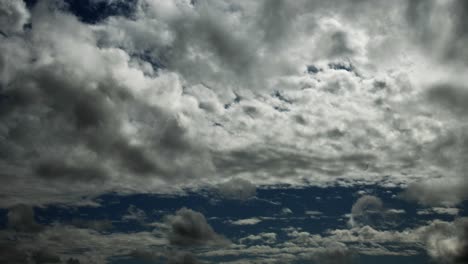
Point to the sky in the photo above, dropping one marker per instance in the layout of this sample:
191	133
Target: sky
222	131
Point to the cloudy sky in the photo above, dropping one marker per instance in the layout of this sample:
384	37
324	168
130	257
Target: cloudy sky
219	131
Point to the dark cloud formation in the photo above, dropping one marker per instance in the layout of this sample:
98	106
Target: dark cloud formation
189	228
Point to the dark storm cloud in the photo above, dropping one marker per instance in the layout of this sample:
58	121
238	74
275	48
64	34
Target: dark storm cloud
189	228
21	218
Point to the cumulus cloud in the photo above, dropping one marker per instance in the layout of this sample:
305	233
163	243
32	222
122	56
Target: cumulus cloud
189	228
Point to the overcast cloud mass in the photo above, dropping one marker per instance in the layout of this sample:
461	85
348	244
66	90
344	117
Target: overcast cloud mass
269	131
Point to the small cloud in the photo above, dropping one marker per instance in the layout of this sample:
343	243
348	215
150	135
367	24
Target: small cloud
314	214
134	214
189	228
237	189
265	238
396	211
248	221
439	210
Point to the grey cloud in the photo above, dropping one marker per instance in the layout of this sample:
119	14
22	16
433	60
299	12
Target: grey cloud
135	214
182	258
13	16
334	255
285	163
450	96
98	225
444	192
56	170
62	121
100	118
45	257
367	210
370	211
189	228
238	189
447	242
449	151
422	15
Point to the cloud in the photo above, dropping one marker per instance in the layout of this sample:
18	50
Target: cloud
439	210
145	104
369	210
44	257
335	253
248	221
13	16
135	214
182	258
189	228
265	238
11	255
21	219
447	242
238	189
